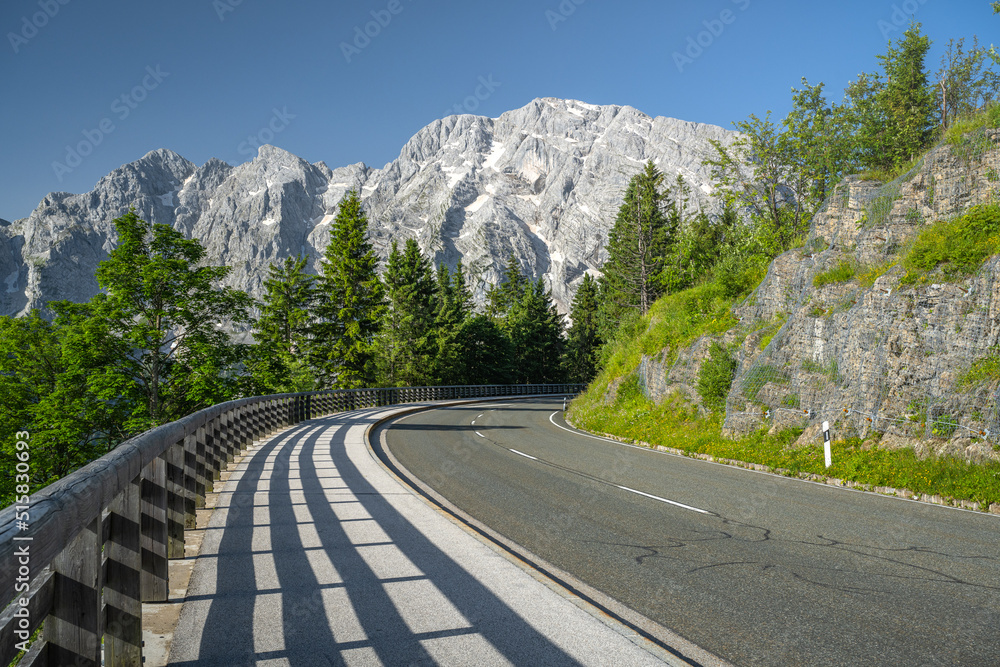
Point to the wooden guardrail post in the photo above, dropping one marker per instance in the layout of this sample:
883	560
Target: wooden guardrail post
253	422
204	476
195	489
122	587
228	433
153	526
73	627
214	456
176	499
271	413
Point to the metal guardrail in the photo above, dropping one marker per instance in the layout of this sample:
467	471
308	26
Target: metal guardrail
93	546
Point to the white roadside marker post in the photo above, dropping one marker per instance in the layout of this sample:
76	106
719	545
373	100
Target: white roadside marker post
827	456
564	404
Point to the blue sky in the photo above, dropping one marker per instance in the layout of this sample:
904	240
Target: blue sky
209	78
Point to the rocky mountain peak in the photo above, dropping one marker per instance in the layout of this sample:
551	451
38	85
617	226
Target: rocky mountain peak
543	181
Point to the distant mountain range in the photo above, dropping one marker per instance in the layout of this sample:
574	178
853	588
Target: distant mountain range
543	181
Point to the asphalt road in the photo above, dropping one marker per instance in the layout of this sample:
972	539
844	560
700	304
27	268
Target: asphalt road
755	568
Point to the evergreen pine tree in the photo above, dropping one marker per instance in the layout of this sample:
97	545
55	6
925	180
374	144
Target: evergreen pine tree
535	329
409	343
583	339
907	97
893	111
483	352
453	306
636	247
282	331
350	302
510	289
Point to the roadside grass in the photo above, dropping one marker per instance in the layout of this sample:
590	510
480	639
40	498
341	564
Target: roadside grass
676	423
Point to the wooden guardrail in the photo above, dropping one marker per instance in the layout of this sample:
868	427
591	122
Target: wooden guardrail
89	549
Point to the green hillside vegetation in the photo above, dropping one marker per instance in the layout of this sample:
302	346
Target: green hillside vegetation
886	123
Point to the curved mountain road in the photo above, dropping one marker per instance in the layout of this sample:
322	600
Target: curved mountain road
755	568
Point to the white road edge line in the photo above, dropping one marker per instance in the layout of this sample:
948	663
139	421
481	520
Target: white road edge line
595	437
524	455
663	500
771	474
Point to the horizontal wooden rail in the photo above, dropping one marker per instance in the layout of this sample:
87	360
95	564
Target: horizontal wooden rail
95	545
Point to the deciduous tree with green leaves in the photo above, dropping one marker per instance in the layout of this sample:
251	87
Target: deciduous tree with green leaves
45	372
165	315
893	110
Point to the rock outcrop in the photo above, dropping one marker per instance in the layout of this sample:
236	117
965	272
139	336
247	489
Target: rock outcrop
873	355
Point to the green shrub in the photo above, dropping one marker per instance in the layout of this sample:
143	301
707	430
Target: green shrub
984	370
715	377
841	273
959	129
958	247
870	274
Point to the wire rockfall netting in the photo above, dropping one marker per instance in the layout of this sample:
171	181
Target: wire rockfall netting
917	363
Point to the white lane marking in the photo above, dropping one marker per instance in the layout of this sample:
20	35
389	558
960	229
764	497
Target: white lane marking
524	455
663	500
595	437
473	421
480	434
480	415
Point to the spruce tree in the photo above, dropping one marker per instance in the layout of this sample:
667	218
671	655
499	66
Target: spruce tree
282	331
907	97
583	338
636	247
535	329
453	306
483	352
507	292
893	110
350	302
409	344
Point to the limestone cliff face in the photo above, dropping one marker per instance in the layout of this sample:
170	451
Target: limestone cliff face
869	355
875	355
543	182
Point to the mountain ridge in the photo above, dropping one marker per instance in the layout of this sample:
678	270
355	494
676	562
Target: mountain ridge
543	181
